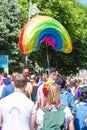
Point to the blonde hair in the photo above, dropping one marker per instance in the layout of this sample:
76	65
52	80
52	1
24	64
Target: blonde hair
53	95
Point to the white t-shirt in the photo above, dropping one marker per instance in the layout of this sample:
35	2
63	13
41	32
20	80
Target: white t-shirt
40	113
16	110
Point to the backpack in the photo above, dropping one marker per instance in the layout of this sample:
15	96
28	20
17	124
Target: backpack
54	120
80	120
63	98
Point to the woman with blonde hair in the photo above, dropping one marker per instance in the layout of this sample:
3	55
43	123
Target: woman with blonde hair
51	105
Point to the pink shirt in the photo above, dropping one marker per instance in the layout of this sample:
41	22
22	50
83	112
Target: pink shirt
40	94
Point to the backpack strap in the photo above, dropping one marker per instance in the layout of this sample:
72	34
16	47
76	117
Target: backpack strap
62	107
44	109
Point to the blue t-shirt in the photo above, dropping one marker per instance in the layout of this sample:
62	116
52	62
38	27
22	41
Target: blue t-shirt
68	99
8	89
80	120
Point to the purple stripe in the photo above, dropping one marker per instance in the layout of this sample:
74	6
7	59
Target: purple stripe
49	40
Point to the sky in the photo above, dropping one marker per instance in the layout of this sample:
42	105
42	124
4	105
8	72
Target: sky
83	1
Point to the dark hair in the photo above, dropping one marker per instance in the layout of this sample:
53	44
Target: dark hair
83	97
5	74
36	79
51	70
62	80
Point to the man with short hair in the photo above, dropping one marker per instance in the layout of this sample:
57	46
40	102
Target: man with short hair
17	112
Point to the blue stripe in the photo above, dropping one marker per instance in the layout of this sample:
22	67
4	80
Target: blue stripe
50	33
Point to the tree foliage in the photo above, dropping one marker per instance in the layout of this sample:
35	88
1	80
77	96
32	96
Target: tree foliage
9	32
72	15
24	6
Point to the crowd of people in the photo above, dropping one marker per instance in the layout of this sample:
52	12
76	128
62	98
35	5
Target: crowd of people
42	102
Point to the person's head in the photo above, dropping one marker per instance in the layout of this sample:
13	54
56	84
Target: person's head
62	80
77	84
20	81
53	74
34	80
13	75
83	97
51	94
4	74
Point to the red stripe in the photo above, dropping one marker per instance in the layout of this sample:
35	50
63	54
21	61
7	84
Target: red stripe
20	40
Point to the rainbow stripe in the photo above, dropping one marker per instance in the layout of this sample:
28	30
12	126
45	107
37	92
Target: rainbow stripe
42	29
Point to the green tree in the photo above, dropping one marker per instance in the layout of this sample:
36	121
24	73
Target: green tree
24	6
10	15
73	17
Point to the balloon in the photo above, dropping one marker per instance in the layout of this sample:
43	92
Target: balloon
44	29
